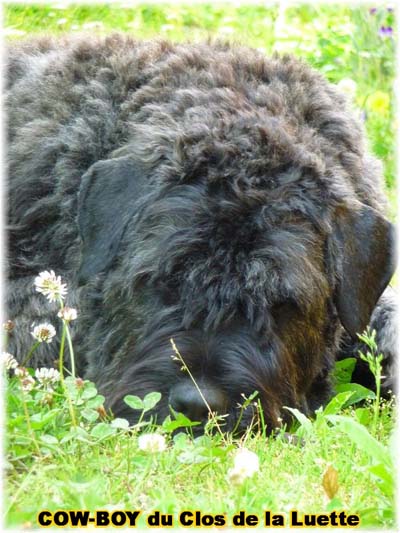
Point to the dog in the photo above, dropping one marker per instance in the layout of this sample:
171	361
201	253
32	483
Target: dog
196	192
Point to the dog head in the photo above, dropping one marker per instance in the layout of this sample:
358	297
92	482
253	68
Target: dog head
252	276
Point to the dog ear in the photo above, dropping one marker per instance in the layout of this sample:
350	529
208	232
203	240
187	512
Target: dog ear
107	200
365	243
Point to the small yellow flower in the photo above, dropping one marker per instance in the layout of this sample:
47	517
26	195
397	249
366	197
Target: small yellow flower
379	102
152	443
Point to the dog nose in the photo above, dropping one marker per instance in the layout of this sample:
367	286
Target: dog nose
185	398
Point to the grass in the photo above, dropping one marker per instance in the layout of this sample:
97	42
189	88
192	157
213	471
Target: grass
113	473
98	464
62	449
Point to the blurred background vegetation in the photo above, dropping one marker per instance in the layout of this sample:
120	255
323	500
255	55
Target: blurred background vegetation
353	45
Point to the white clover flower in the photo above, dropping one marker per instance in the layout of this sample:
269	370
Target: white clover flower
245	465
21	372
67	314
152	443
9	361
43	332
47	398
8	326
47	376
50	285
27	381
347	86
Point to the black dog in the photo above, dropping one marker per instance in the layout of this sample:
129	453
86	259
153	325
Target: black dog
202	193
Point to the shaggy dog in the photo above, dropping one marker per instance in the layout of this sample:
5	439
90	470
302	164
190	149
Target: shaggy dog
202	193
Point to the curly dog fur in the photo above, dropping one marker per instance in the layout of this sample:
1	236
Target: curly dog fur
200	192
